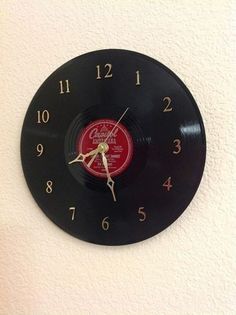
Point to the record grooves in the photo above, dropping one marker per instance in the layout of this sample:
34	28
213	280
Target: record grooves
113	147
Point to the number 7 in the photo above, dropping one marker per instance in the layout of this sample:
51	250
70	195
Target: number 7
73	213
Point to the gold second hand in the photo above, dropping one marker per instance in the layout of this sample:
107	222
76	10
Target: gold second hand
116	124
110	133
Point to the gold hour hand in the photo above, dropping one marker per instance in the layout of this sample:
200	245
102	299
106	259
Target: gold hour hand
81	157
110	181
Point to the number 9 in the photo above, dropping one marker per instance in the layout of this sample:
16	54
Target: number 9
39	149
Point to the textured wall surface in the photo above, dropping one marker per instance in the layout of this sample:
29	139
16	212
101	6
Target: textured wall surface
189	268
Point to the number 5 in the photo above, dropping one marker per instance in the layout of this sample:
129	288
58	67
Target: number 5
142	213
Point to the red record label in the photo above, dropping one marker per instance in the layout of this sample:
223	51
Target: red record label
118	139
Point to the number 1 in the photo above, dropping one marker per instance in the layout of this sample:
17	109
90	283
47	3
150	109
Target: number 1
138	78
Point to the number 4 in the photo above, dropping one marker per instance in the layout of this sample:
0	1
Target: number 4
167	184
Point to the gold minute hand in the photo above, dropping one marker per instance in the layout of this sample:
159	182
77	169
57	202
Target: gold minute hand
81	157
110	181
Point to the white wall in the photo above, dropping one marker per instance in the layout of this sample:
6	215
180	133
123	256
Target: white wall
190	267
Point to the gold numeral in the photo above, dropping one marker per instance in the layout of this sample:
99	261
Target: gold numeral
108	74
64	87
105	224
142	213
138	78
177	144
39	149
98	72
43	117
72	209
167	101
49	187
109	67
167	184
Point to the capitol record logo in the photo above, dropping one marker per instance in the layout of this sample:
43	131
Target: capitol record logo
120	146
98	135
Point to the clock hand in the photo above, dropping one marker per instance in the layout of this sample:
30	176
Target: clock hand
110	133
81	157
92	160
116	124
110	181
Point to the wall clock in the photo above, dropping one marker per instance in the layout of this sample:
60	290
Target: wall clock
113	147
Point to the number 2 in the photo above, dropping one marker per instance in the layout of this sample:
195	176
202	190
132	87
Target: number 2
168	101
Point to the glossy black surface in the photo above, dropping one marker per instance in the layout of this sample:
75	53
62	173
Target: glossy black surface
153	132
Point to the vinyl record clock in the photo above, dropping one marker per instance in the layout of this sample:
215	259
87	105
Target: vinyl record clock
113	147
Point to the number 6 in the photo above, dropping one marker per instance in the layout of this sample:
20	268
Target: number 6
105	224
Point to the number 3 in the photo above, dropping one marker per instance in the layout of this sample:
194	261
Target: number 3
177	144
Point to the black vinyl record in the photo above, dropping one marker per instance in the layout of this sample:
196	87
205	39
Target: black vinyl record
113	147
